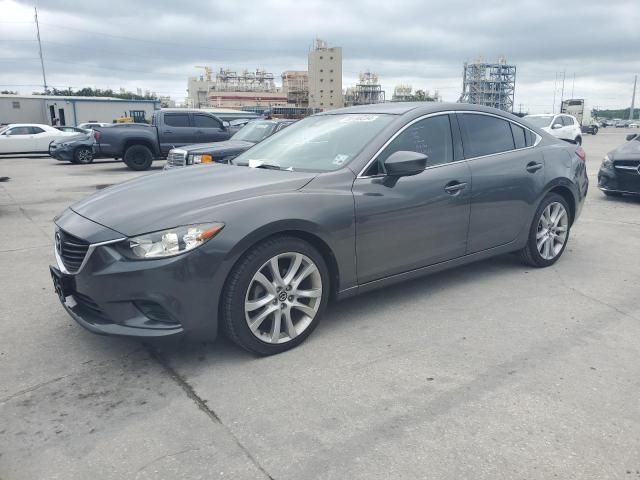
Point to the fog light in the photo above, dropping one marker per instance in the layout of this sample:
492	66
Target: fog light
155	312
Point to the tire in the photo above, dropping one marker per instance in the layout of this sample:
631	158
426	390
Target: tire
138	157
83	155
578	141
535	253
253	294
595	130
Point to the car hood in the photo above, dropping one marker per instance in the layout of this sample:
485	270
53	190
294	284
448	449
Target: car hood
627	151
218	147
182	197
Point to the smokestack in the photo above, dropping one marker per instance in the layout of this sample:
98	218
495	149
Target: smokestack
633	98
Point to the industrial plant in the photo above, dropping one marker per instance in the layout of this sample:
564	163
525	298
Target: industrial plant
368	90
489	84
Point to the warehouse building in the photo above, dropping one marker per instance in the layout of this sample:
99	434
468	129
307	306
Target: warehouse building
72	110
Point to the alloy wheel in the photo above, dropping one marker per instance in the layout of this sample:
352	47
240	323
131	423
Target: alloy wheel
553	227
283	297
84	155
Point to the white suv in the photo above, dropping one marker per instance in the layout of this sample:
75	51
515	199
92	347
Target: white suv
562	126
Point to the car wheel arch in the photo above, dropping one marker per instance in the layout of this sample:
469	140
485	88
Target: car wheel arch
303	230
565	192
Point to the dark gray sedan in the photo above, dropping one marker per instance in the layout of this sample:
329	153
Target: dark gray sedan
335	205
619	173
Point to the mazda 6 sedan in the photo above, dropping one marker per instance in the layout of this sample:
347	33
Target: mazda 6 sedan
337	204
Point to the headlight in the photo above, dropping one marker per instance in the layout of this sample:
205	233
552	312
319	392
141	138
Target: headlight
168	243
606	162
196	159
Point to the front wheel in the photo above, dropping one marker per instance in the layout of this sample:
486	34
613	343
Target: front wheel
549	232
275	296
83	155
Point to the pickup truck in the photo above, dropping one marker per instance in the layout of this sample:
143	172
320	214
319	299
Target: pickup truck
138	145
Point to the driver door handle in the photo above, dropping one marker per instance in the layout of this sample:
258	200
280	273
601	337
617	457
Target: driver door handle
455	187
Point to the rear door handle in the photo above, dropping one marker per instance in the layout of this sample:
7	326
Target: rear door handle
168	131
454	187
533	167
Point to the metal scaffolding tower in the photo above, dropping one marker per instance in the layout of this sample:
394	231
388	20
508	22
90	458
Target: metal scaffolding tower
368	90
489	84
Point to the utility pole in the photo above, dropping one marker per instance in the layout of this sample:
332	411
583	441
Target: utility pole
564	74
44	77
633	98
555	88
573	87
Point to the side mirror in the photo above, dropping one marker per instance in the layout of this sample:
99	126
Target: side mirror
556	126
404	163
225	125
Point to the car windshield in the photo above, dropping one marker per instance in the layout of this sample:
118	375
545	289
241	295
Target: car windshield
255	131
541	121
319	143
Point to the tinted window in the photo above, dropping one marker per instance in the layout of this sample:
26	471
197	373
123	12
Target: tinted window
531	138
20	131
518	136
205	121
38	130
431	136
558	120
568	120
486	135
177	119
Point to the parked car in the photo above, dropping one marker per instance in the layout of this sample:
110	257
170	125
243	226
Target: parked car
75	149
622	124
90	125
619	173
223	152
72	129
634	125
564	127
337	204
29	138
138	145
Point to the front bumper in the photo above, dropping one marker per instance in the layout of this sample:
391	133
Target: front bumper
626	182
111	295
61	153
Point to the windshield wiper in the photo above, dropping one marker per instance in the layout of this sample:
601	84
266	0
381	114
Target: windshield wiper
259	164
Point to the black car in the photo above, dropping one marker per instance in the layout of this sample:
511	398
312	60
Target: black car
222	152
337	204
75	149
619	173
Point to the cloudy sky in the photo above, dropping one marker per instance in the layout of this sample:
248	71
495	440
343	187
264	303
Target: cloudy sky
156	45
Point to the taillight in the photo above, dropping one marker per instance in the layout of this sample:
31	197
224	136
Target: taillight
97	135
581	153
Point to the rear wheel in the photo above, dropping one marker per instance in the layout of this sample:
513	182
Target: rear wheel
275	296
83	155
549	232
138	157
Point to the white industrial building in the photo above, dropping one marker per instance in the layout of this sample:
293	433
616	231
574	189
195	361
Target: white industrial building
325	77
72	110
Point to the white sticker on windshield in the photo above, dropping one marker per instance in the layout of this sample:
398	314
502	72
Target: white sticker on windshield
340	159
358	118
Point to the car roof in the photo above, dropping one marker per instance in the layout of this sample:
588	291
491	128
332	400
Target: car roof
419	108
28	125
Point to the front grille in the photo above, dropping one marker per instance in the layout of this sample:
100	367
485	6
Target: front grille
87	303
176	158
71	250
627	166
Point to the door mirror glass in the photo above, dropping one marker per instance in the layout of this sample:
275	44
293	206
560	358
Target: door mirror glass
403	163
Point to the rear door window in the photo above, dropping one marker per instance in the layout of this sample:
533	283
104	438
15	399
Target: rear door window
485	135
36	130
567	120
176	119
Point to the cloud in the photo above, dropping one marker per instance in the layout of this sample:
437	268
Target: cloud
155	45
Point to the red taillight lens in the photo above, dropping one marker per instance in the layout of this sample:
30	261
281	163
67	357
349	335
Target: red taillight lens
581	153
97	135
